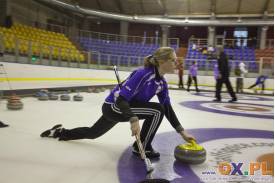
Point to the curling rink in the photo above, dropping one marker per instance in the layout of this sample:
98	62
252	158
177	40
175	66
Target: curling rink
239	132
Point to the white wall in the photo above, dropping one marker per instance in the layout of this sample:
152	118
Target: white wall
27	76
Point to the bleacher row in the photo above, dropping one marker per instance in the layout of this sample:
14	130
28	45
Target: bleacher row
45	43
121	60
116	47
39	41
235	55
122	52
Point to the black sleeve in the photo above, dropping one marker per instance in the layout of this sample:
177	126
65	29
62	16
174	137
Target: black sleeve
220	65
124	107
172	118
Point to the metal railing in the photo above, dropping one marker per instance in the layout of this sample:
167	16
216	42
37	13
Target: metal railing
269	43
199	42
126	38
105	61
262	66
47	26
231	43
101	60
111	59
51	27
103	36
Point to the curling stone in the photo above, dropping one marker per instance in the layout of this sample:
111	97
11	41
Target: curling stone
14	103
78	97
190	153
65	97
38	94
102	89
53	96
90	90
97	90
41	92
43	97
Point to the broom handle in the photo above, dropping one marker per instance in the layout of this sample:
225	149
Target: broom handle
117	76
140	147
147	161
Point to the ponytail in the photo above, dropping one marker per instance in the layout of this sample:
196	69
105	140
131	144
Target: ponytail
161	54
150	61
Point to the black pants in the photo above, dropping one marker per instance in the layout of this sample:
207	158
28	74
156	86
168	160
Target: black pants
181	81
151	112
239	85
219	84
189	82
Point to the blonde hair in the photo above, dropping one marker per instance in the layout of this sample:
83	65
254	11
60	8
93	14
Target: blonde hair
161	54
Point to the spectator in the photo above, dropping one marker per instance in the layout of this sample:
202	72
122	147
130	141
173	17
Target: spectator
223	77
192	75
194	46
204	51
210	49
180	72
240	71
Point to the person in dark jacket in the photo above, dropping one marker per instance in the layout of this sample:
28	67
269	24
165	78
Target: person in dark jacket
223	77
130	103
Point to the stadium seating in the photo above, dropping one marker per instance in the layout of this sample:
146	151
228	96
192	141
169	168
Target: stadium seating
235	56
119	51
40	42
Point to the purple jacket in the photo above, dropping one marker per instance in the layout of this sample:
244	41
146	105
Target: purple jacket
193	70
142	85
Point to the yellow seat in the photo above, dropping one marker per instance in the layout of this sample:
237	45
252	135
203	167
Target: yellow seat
81	57
23	49
41	41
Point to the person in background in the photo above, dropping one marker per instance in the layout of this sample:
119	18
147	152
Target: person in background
223	77
204	51
260	80
210	51
240	72
180	72
1	49
192	75
194	46
254	42
216	73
